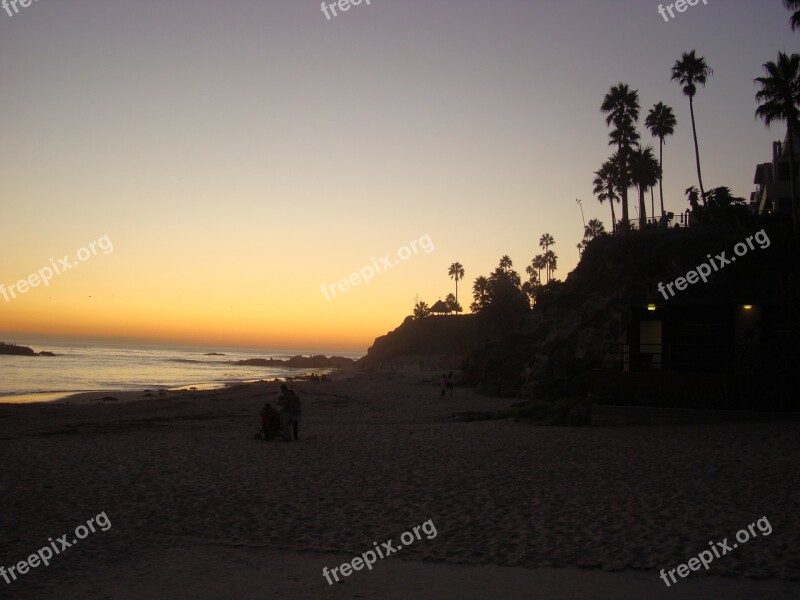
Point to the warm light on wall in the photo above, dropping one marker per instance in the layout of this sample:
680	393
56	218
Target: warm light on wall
651	307
748	306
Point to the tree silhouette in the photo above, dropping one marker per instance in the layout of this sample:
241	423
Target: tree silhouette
421	310
552	263
661	122
546	241
621	107
644	173
452	304
456	271
480	294
779	99
605	187
689	71
539	262
795	6
594	228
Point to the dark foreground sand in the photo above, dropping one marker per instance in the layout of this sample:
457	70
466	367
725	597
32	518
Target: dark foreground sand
198	509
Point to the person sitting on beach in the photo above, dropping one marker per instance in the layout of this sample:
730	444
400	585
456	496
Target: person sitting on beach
285	414
269	421
295	409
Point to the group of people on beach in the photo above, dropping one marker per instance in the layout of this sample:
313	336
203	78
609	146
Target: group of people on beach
285	421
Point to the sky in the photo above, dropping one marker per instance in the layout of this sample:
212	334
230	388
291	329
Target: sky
243	157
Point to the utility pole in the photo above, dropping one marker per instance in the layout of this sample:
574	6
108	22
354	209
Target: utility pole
580	203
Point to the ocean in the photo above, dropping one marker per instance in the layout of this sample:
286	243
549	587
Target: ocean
92	367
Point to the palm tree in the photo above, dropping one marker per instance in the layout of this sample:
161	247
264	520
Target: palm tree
594	228
480	292
546	241
661	122
539	262
621	107
645	172
452	304
421	310
779	99
505	262
689	71
533	272
456	271
531	286
605	187
795	6
552	262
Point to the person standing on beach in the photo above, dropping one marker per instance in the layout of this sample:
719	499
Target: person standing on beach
443	385
285	414
450	383
295	409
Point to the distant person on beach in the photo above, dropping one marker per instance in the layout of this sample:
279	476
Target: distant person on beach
443	384
450	383
269	421
285	414
295	409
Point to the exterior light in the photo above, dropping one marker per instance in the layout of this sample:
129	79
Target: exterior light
651	307
748	306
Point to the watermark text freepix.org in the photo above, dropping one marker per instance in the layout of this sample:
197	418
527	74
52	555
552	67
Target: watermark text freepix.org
679	5
370	557
44	554
367	272
704	270
45	274
9	4
344	6
719	549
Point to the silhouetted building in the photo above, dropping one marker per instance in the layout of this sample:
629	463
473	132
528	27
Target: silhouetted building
773	192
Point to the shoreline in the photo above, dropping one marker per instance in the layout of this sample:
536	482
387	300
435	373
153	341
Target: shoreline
118	395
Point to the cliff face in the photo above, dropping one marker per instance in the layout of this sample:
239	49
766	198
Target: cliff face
452	335
562	338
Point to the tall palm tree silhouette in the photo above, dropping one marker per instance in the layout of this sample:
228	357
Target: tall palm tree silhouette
644	173
505	262
779	99
539	262
546	241
605	187
456	271
551	261
621	107
689	71
661	122
795	6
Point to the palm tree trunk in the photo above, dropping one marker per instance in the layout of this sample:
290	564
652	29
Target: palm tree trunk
613	215
642	208
793	180
697	152
624	187
661	177
456	278
652	203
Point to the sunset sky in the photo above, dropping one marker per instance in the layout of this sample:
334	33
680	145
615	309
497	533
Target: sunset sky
239	154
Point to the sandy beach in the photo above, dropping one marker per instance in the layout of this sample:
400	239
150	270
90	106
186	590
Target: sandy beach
200	509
